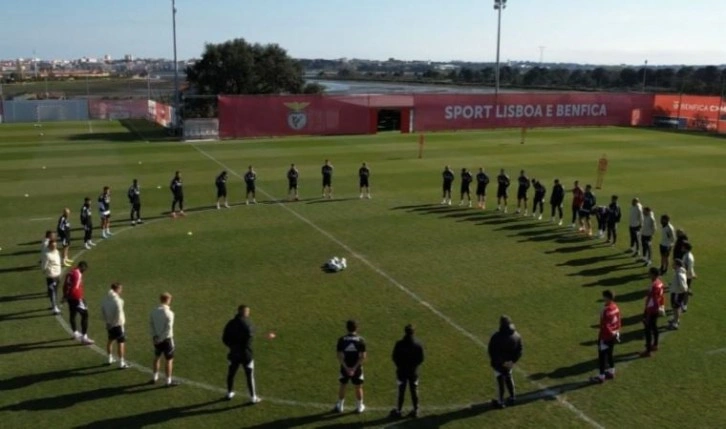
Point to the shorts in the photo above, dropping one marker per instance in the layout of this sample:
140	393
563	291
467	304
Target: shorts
78	305
292	185
221	191
65	240
356	379
250	188
178	198
117	334
464	189
481	190
502	193
136	206
406	377
446	186
521	194
327	181
501	370
665	251
105	214
364	183
165	348
584	214
677	300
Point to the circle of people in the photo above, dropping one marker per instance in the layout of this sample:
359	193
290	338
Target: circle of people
505	346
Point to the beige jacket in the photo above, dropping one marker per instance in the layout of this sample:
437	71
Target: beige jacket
112	310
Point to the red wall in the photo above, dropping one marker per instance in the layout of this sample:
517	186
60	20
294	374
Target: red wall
451	112
698	111
278	115
117	109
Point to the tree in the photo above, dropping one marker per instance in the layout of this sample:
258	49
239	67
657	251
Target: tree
629	77
238	67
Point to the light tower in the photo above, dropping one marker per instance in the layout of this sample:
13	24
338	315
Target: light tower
499	6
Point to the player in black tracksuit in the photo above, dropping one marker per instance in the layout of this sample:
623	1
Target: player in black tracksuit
134	195
87	223
177	190
408	355
505	349
237	336
557	197
539	195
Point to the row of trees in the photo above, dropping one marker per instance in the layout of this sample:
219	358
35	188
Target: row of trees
693	80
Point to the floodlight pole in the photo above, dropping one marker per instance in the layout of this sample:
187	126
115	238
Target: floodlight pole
645	73
176	66
499	5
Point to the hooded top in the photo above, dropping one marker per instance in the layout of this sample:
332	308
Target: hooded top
506	344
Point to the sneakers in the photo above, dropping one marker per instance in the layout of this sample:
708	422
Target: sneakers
510	401
518	211
469	204
610	376
255	400
499	405
368	196
87	246
133	223
443	202
103	235
229	396
139	221
598	379
539	217
505	210
395	413
218	206
108	232
91	243
56	310
226	205
173	215
645	354
360	408
413	414
76	336
123	365
111	359
181	213
360	196
87	341
560	223
339	408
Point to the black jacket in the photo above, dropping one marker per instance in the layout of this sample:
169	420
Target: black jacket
505	345
408	354
238	334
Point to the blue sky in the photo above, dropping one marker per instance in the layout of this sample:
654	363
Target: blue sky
592	31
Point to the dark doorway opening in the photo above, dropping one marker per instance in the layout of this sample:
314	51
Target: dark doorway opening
389	120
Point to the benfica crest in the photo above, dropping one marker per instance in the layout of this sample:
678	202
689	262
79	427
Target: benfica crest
297	118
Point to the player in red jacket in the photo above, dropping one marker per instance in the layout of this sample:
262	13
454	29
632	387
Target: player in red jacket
609	335
73	293
654	305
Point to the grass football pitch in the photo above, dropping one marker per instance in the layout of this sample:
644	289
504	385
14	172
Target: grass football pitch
451	271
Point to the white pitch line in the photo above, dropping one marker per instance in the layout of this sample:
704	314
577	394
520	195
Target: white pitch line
713	352
38	219
579	413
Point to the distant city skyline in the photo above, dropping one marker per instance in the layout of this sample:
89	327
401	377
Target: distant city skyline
665	32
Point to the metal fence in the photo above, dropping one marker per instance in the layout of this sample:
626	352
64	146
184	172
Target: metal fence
45	110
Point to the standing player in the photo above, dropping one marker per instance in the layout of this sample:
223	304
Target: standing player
679	290
667	240
112	310
162	334
327	172
351	351
363	174
87	223
134	195
522	189
608	336
502	186
654	305
466	179
577	196
505	349
177	191
613	219
221	183
448	178
408	355
292	176
635	223
482	180
64	235
556	199
646	235
51	266
250	180
539	195
104	210
588	204
237	336
74	294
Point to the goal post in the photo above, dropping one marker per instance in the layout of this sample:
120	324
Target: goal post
200	129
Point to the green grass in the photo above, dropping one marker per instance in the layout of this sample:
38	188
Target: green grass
470	266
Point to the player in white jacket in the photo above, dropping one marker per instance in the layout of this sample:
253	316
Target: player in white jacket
50	263
112	309
688	263
635	222
646	235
